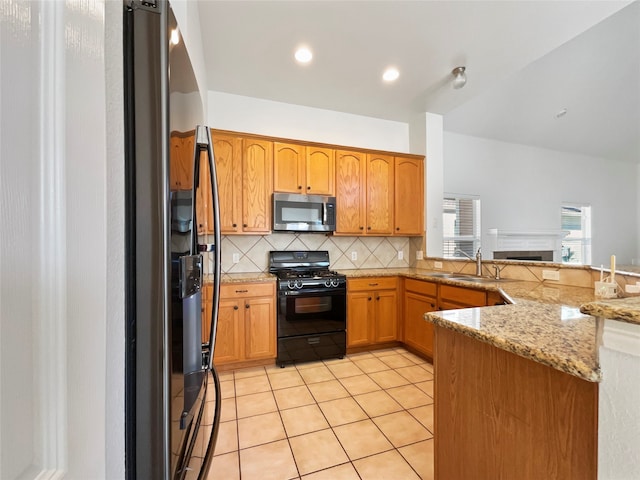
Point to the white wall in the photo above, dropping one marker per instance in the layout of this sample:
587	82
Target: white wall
265	117
523	187
19	214
61	255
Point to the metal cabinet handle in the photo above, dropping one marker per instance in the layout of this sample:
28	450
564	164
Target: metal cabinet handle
246	305
378	298
234	225
373	284
361	228
308	188
242	291
299	187
368	228
235	307
369	298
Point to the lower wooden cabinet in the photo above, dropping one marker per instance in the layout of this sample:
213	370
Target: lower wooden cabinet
372	311
420	297
452	297
246	323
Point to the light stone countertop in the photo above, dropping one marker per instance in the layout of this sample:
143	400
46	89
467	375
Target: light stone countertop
544	323
243	277
622	309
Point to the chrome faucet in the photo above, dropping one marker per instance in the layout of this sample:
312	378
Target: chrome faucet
478	260
478	263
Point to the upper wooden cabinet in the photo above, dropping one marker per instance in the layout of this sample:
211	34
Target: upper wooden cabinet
227	150
350	192
379	189
181	160
364	193
244	172
303	169
409	196
257	185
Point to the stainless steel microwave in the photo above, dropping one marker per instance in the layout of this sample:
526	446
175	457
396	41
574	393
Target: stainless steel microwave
303	213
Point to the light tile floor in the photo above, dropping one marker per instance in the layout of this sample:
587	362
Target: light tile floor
367	416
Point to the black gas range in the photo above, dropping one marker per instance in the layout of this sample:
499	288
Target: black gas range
312	313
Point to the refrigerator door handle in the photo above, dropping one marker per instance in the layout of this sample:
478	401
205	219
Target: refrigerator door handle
203	139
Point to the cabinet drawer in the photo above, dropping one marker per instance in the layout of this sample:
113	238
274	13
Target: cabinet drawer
371	283
418	286
464	296
243	290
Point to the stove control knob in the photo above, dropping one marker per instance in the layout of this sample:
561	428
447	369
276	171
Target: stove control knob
334	282
291	284
327	283
298	284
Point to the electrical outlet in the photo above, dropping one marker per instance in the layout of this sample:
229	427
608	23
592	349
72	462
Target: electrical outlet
550	275
419	255
400	255
437	265
354	255
235	258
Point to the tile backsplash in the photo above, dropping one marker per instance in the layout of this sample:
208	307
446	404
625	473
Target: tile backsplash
252	251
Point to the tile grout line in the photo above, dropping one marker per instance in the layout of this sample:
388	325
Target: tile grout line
350	396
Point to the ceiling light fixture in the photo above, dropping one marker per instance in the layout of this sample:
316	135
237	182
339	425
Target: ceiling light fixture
460	78
390	74
303	55
561	113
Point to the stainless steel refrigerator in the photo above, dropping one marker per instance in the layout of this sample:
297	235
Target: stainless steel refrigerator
172	391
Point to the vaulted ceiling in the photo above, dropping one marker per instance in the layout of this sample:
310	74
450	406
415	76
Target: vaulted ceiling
525	60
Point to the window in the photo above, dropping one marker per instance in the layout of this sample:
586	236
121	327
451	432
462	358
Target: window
576	246
460	225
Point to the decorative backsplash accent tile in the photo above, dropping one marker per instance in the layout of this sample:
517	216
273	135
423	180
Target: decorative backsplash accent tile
371	252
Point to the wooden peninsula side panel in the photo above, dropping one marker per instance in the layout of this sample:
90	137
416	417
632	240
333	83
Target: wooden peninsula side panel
501	416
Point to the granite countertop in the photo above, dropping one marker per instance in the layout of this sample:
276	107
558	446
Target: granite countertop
243	277
543	323
622	309
555	325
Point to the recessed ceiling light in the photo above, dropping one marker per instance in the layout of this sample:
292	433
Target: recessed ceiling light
303	55
390	74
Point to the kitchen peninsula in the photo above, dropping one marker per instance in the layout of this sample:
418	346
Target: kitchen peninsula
517	388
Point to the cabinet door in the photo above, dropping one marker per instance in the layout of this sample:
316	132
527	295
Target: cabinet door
188	151
452	297
386	305
418	333
320	167
409	196
259	328
359	319
227	151
175	160
229	346
379	190
350	192
289	168
257	177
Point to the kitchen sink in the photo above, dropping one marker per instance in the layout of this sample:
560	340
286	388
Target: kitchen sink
443	275
474	279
